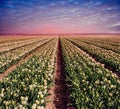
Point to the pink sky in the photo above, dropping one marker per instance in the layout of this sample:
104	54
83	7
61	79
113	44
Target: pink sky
62	16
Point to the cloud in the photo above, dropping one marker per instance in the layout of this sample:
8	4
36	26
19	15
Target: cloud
115	28
63	13
115	25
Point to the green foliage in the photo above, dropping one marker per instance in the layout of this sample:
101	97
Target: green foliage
91	86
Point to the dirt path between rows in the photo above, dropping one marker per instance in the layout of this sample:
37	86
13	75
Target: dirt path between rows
59	97
22	60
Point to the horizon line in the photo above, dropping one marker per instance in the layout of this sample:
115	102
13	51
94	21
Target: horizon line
16	34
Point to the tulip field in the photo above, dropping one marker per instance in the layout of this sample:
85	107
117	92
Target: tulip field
30	68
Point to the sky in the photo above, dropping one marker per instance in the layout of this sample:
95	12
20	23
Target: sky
59	16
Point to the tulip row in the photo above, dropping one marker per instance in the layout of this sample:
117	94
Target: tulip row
107	57
4	41
114	41
9	58
91	86
114	48
27	86
17	44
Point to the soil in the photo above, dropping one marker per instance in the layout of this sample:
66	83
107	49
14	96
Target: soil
59	92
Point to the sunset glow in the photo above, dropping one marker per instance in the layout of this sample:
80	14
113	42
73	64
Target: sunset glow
59	16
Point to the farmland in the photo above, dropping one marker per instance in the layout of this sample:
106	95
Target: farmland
66	72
